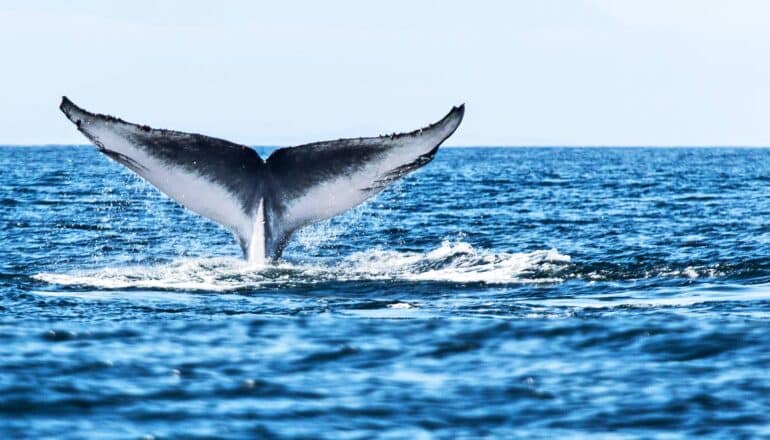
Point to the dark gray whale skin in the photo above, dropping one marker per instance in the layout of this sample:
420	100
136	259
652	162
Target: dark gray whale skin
285	177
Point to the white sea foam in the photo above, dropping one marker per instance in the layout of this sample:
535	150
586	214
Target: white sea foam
456	262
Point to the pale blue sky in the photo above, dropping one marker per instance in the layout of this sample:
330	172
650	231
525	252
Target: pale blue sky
591	72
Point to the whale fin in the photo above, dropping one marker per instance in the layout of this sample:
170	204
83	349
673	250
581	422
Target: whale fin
323	179
263	202
215	178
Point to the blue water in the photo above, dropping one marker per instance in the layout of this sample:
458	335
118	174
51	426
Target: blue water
495	293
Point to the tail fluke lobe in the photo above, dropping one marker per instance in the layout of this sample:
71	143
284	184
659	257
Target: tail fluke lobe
320	180
212	177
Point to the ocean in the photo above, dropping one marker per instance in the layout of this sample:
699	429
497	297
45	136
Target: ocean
495	293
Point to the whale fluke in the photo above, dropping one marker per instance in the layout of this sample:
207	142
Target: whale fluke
262	202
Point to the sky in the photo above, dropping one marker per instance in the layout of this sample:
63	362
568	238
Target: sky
580	72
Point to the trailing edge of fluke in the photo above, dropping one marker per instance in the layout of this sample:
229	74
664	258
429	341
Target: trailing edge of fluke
262	201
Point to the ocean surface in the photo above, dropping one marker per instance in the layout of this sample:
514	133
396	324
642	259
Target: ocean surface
496	293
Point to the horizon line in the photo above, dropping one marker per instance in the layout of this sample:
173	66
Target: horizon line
466	146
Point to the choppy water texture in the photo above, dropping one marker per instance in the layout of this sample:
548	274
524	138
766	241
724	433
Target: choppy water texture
496	293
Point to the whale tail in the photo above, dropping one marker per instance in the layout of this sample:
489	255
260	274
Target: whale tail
262	201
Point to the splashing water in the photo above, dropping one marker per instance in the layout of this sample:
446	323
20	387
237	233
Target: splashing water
451	262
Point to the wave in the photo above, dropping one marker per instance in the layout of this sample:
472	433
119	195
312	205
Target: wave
455	262
452	262
673	298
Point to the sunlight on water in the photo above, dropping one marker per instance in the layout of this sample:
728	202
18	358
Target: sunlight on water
670	299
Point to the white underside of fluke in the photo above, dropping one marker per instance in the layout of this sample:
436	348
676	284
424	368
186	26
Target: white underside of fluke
257	255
